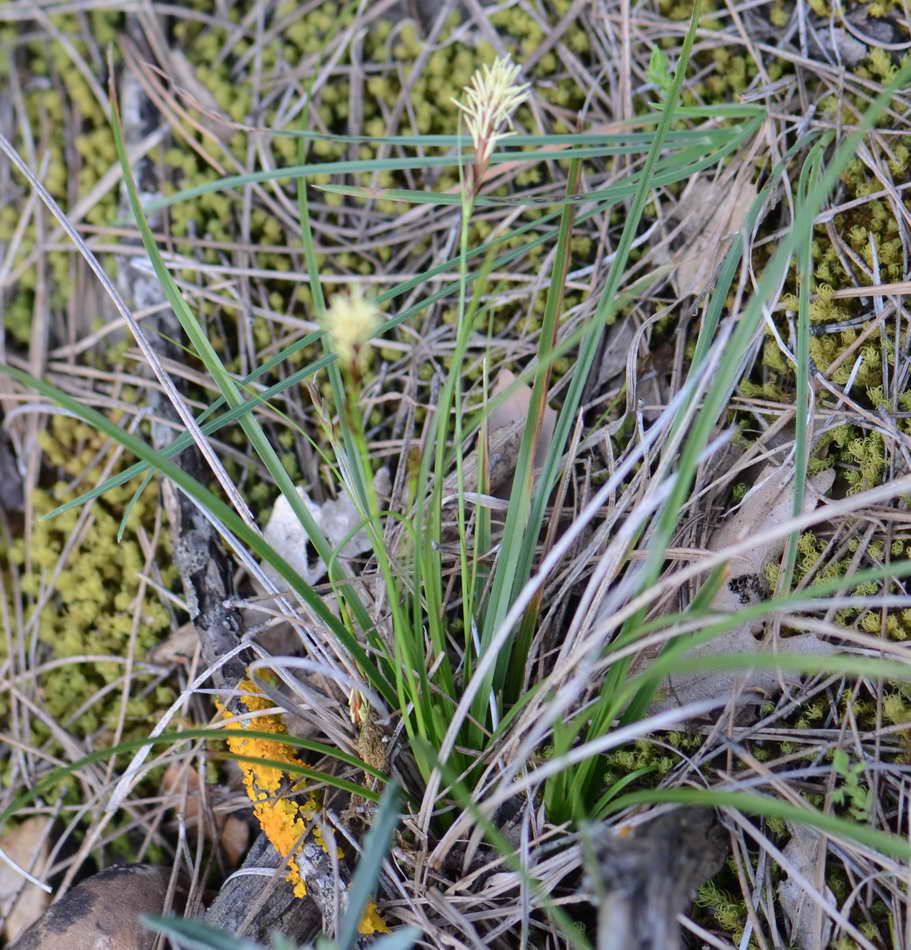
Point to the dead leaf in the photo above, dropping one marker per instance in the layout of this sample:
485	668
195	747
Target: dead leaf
335	518
198	96
505	426
234	839
620	338
514	411
178	648
768	503
802	851
22	903
746	686
838	44
853	42
711	213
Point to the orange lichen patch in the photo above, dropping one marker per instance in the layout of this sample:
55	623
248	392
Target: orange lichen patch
371	922
284	821
265	779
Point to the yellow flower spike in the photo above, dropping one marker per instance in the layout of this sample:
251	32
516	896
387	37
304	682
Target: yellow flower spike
492	95
350	322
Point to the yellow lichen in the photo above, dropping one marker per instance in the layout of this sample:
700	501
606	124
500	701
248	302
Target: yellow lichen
372	922
284	821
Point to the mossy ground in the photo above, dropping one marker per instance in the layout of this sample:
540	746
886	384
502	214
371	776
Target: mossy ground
78	591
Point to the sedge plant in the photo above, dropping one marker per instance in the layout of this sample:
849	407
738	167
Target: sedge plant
458	671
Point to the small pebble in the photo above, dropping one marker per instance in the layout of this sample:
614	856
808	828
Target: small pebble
102	912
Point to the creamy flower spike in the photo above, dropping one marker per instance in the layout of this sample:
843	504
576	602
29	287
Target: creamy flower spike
493	95
350	322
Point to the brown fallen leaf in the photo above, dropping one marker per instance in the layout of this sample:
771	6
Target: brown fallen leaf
22	903
837	43
768	503
178	648
514	411
337	518
505	425
711	213
745	686
234	838
620	337
851	43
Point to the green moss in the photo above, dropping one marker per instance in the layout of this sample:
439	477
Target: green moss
97	603
729	913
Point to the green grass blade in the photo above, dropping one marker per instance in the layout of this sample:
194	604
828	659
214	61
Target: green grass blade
827	665
370	866
716	398
196	934
403	939
641	143
731	263
232	394
170	738
510	575
544	237
809	173
768	807
516	533
737	348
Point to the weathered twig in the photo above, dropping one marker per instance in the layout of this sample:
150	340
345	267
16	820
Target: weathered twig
642	882
254	903
204	568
